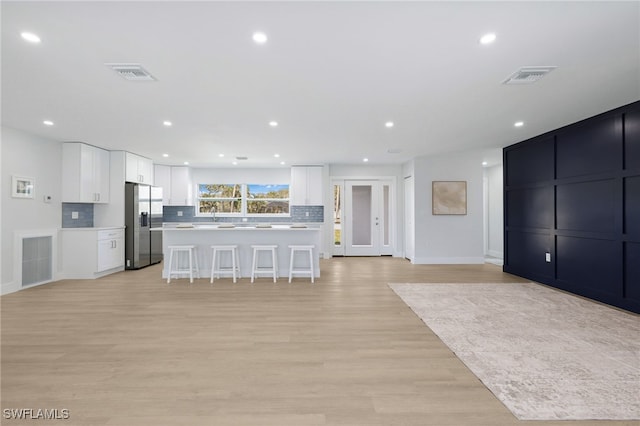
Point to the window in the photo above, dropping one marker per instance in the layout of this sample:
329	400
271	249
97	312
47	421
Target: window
267	199
219	198
243	199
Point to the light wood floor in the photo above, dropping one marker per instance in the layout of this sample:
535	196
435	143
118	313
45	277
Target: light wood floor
130	350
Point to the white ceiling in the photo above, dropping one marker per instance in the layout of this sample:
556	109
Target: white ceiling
331	74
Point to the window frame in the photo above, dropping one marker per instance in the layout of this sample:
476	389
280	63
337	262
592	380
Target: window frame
244	201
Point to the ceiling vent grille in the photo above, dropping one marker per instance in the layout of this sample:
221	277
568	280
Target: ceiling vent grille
132	72
242	158
528	75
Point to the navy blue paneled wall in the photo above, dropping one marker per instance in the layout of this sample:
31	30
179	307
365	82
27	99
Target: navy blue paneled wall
297	214
574	193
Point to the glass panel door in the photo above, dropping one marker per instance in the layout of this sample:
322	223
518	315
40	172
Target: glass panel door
363	220
338	233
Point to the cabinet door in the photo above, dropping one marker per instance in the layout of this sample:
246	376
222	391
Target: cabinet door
87	193
145	169
298	187
110	254
138	169
306	186
105	257
131	168
314	186
101	175
181	187
85	173
162	178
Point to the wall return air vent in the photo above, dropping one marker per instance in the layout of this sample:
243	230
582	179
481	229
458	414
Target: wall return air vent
527	75
132	72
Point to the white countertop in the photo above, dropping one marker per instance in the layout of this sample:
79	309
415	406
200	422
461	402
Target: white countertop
221	227
99	228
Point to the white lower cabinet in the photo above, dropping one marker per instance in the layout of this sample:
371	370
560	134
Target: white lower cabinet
91	253
110	249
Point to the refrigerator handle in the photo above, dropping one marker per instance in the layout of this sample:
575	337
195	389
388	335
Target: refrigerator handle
144	219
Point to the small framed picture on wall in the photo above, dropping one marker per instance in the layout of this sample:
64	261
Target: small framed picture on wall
22	187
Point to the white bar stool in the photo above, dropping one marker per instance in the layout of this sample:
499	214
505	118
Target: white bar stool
272	270
192	253
234	269
299	270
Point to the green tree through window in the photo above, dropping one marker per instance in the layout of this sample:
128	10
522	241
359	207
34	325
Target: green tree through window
240	199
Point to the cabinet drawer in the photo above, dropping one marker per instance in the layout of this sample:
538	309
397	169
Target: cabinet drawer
109	234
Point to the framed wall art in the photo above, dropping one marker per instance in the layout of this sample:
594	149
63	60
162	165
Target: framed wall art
22	187
449	197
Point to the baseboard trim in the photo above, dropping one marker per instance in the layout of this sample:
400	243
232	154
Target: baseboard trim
495	253
448	260
10	287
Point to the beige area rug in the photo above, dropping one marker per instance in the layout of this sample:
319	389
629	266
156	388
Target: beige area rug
545	354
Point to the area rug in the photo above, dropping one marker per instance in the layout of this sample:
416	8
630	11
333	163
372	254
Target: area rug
545	354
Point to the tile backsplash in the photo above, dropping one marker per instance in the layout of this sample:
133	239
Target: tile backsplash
297	214
84	212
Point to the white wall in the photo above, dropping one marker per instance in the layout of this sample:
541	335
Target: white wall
408	171
30	156
455	239
241	175
495	242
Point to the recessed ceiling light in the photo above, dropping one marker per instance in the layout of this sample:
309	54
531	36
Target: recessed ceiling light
282	163
165	155
389	124
167	123
484	163
235	163
47	123
186	163
518	123
273	123
276	155
488	38
30	37
365	159
260	38
221	155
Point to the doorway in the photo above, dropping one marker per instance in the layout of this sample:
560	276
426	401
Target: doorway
363	217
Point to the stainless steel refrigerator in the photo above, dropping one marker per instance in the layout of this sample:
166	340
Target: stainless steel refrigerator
143	211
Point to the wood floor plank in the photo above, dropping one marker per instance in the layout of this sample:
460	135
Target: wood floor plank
128	349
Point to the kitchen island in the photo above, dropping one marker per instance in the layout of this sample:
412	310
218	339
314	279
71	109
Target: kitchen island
203	236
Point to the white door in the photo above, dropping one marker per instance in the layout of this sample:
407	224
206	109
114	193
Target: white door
368	217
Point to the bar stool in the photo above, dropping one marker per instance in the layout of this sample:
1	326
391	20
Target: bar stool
235	262
273	269
192	253
309	271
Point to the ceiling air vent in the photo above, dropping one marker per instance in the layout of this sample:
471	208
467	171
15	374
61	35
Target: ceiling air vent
133	72
242	158
527	75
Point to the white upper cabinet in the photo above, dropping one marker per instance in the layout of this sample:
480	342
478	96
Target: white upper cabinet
85	173
306	186
181	187
176	185
162	178
138	169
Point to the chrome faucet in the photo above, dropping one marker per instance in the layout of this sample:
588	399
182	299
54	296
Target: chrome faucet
213	214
